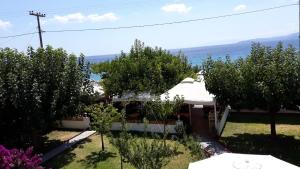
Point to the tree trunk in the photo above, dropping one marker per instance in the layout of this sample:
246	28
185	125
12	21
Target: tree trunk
273	123
121	161
102	141
165	134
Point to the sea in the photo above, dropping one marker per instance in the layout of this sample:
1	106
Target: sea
196	55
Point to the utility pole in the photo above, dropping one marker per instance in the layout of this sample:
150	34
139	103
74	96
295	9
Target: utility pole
38	15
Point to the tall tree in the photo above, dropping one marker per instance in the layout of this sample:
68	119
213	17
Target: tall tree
36	89
143	69
268	79
102	117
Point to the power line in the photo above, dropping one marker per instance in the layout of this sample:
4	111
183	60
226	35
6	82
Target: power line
17	35
158	24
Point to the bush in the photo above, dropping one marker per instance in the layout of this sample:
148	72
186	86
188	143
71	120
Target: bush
15	158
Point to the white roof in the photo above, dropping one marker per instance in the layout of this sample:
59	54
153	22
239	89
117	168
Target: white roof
242	161
130	96
192	91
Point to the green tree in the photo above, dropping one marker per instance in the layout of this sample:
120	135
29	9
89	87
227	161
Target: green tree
102	117
36	89
163	109
121	142
267	79
143	69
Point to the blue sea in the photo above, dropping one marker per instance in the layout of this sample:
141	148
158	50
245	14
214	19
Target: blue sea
197	55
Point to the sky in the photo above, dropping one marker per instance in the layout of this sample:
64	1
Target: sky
82	14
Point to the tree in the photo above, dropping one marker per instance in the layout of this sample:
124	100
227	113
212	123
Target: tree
143	153
102	117
143	69
36	89
163	109
121	142
267	79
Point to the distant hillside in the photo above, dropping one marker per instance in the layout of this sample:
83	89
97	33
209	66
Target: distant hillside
240	49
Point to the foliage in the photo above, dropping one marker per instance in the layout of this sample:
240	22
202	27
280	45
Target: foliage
194	146
143	69
36	89
143	153
162	109
14	158
268	79
102	117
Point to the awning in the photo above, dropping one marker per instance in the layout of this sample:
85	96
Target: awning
192	91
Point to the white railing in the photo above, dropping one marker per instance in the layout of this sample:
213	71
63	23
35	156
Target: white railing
220	126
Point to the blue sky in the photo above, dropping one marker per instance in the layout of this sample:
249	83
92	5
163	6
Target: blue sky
80	14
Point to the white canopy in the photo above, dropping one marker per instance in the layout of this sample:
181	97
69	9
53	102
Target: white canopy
242	161
192	91
130	96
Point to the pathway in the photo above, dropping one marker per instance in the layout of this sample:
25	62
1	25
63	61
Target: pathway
211	146
67	145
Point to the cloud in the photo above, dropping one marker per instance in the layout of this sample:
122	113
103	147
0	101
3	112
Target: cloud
179	8
80	18
5	24
240	8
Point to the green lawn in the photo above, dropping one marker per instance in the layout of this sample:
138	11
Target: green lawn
56	138
85	155
251	134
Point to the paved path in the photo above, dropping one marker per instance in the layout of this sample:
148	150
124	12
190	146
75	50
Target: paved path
67	145
211	146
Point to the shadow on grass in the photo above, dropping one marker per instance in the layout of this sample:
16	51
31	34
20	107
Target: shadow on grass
61	160
291	119
96	157
65	157
283	147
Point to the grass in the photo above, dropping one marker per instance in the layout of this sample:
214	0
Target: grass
56	138
251	134
86	155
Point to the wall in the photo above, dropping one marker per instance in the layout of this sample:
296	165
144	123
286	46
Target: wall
75	124
156	128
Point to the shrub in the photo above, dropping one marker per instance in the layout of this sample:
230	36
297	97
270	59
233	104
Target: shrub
14	158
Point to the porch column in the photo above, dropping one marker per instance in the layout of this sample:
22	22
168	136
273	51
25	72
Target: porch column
190	112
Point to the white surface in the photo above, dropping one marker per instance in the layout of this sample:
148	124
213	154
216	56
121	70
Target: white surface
74	124
133	97
193	92
242	161
155	128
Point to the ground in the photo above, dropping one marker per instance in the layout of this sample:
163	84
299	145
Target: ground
85	155
251	134
56	138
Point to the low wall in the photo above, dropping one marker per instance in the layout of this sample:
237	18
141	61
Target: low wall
155	128
84	123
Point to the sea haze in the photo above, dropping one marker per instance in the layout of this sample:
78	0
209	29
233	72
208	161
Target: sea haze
196	55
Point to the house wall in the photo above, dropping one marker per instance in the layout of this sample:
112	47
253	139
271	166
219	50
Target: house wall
75	124
156	128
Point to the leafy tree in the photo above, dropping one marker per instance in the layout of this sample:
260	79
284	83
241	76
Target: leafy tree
268	79
148	152
102	117
36	89
163	109
121	142
143	69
